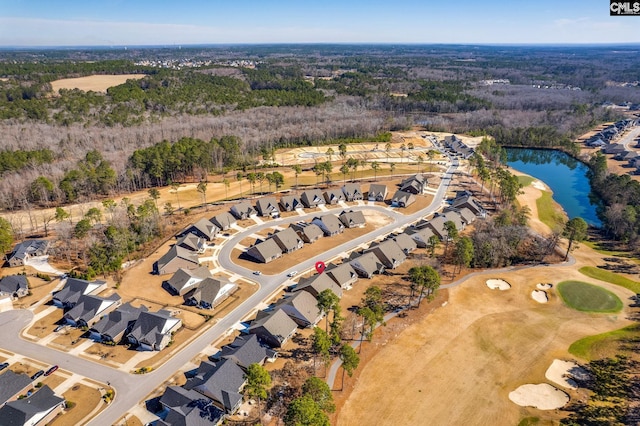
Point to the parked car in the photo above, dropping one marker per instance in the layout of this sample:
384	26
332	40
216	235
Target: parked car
257	273
4	365
292	274
51	370
38	374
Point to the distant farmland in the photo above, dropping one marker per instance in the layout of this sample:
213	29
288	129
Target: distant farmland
96	83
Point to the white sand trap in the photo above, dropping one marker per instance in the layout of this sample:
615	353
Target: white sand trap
538	184
497	284
563	372
540	296
542	396
544	286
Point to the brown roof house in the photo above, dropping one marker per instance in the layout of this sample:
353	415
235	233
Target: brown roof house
437	224
403	199
268	206
274	328
288	240
389	253
352	219
406	243
209	293
344	275
289	203
312	198
242	210
415	184
185	280
309	232
202	228
153	331
302	308
224	221
330	224
174	259
317	284
366	264
265	251
25	250
333	196
377	192
192	243
420	236
352	191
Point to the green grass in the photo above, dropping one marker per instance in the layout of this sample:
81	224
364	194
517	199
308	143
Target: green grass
610	277
602	345
586	297
525	180
548	211
529	421
595	245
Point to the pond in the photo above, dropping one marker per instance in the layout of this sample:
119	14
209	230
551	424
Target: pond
566	176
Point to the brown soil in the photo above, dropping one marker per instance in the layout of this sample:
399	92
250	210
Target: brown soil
45	326
95	83
86	399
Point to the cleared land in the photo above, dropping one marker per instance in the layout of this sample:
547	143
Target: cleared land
588	298
95	83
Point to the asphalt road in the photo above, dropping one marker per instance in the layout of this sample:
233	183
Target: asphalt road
131	389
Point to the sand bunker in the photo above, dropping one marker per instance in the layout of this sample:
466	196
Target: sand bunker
544	286
563	373
538	184
542	396
498	284
540	296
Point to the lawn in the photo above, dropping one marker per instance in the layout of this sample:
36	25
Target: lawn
586	297
548	211
610	277
525	180
602	345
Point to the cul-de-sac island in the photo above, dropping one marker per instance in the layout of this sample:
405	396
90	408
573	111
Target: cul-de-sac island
321	234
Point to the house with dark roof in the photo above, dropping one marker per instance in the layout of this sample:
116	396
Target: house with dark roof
415	184
202	228
333	196
288	240
470	202
183	407
192	243
366	264
289	203
377	192
420	236
174	259
39	408
308	232
222	382
352	219
268	206
389	253
405	242
73	289
316	284
312	198
265	251
330	224
185	279
224	221
152	331
273	328
344	275
613	148
244	351
25	250
14	285
352	191
210	292
12	385
242	210
302	308
90	308
113	326
402	199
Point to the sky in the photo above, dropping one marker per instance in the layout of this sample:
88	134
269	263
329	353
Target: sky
183	22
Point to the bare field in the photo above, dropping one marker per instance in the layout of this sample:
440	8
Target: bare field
94	83
86	399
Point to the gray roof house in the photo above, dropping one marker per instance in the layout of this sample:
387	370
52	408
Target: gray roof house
90	308
188	408
352	219
27	249
330	224
406	243
13	385
415	184
366	264
224	221
73	289
402	199
437	224
470	202
377	192
301	307
244	351
288	240
40	408
210	293
420	236
222	382
191	242
186	279
113	326
466	215
613	148
344	275
202	228
289	203
317	284
308	232
15	285
274	329
152	331
268	206
174	259
333	196
352	192
265	251
242	210
389	253
312	198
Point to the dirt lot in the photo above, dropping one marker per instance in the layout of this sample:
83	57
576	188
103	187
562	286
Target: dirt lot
86	399
95	83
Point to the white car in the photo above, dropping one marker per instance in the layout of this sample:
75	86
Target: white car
292	274
257	273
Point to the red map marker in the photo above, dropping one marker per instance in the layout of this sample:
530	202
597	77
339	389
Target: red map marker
320	267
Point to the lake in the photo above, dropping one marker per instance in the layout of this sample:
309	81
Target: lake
566	176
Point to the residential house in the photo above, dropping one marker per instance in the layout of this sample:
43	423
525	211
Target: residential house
405	242
466	215
344	275
73	289
317	284
455	217
389	253
186	279
625	156
265	251
288	240
222	382
415	184
273	328
242	210
192	243
377	192
330	224
112	327
289	203
421	236
352	219
366	264
25	250
152	331
90	308
210	293
224	221
469	201
15	285
437	224
302	308
312	198
403	199
267	206
39	408
183	407
174	259
352	192
308	232
244	351
333	196
613	148
12	385
202	228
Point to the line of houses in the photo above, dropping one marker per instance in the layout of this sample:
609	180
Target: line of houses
610	134
20	405
457	147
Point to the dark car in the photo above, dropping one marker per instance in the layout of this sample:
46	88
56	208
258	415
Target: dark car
51	370
4	365
38	374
